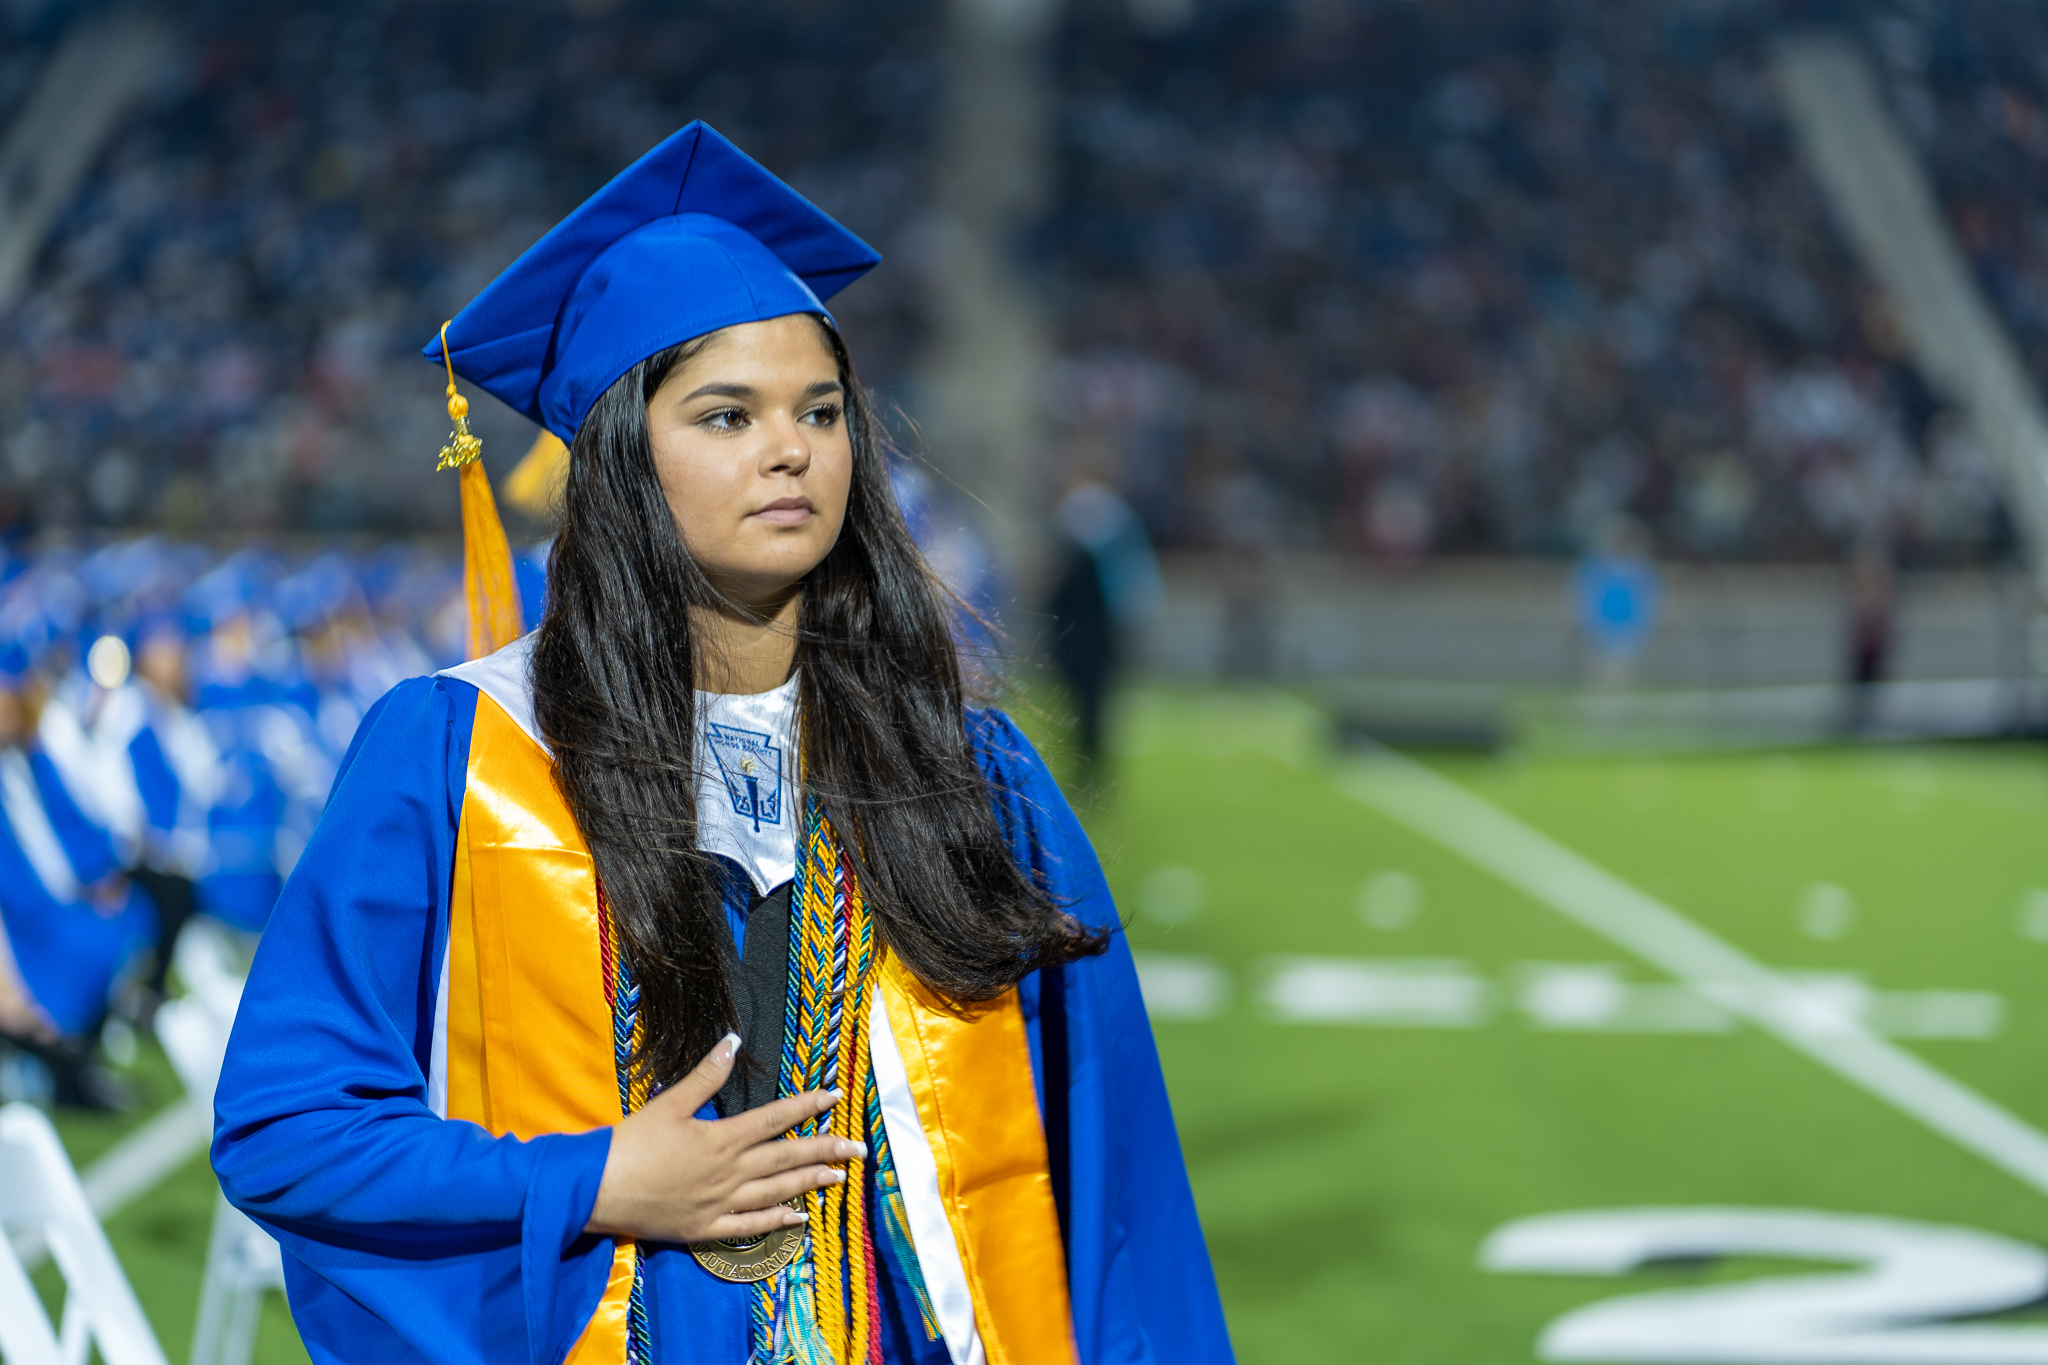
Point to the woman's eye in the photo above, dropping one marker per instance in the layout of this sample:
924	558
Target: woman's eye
725	419
823	417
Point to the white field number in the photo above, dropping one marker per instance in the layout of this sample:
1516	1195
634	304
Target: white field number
1899	1305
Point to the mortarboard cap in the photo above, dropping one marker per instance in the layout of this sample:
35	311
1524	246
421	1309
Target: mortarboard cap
317	593
27	634
222	593
694	236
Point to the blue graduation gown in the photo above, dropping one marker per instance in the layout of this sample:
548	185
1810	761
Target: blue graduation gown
243	882
413	1238
69	953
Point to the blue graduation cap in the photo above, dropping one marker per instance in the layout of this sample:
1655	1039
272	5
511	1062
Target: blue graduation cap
221	594
317	593
27	634
694	236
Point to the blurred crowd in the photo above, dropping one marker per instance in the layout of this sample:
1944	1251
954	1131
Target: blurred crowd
1409	279
170	723
1388	279
223	333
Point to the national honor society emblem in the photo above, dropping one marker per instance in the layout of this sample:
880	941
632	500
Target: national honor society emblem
752	769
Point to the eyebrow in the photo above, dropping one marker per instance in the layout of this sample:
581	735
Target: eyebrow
748	391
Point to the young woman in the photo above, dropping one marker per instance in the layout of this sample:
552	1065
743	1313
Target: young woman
699	978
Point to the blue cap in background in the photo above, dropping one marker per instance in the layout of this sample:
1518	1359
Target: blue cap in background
222	593
316	594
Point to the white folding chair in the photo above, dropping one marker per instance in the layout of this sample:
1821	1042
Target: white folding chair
209	965
243	1261
196	1041
40	1198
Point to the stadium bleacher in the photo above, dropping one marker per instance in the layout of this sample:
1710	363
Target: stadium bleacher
1385	280
1408	280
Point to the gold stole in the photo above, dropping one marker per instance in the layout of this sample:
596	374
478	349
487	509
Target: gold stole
530	1052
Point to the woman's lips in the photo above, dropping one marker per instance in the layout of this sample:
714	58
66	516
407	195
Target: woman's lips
786	512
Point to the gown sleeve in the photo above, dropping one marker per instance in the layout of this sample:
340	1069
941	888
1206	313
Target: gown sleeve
407	1236
1137	1265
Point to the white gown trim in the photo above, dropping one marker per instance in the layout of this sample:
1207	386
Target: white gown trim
931	1232
437	1062
23	804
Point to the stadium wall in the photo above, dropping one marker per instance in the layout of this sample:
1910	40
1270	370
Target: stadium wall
1514	622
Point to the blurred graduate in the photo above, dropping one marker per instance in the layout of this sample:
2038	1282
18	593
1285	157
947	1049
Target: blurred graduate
71	921
701	977
162	771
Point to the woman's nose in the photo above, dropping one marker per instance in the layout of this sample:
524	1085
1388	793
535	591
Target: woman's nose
791	453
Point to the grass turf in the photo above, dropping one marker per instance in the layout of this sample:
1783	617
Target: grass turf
1347	1176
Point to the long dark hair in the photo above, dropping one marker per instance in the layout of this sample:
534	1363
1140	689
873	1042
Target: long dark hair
882	728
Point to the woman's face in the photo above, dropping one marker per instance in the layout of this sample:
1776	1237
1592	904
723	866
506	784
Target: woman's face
751	448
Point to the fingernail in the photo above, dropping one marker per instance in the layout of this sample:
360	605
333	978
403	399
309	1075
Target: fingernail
853	1149
731	1044
793	1217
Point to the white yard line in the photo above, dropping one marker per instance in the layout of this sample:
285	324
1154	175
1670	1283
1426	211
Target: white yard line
1439	809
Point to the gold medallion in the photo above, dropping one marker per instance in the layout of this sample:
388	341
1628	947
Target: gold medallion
744	1260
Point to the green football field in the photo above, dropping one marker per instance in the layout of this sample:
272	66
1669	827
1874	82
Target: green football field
1767	1023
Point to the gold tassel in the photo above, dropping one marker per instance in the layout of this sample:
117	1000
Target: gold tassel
536	481
487	579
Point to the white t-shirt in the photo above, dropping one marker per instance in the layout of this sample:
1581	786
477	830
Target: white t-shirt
747	803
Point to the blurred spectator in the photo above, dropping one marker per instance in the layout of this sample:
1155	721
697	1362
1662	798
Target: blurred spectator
1873	603
1617	589
1105	584
163	773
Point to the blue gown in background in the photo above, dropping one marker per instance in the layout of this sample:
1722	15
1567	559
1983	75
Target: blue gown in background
250	807
69	952
413	1238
